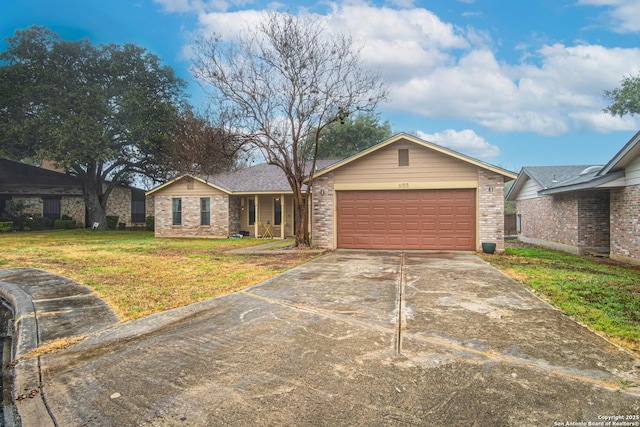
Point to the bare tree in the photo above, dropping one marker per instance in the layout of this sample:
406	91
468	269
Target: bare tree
199	147
283	83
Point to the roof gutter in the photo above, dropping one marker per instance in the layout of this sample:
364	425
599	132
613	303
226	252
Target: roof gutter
584	185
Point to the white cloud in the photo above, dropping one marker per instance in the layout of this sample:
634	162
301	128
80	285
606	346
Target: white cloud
465	141
545	98
623	14
438	70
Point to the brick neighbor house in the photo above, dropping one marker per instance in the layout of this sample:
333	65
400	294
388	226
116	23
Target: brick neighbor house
404	193
53	194
586	208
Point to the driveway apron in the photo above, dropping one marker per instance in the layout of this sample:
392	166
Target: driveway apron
350	338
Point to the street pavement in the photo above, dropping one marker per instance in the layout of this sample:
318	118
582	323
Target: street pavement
350	338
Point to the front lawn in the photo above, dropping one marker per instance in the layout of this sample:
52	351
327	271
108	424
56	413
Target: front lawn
137	274
597	292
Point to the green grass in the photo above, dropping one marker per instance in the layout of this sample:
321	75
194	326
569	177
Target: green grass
599	293
137	274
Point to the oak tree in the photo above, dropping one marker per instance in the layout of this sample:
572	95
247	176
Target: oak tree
357	133
624	99
101	112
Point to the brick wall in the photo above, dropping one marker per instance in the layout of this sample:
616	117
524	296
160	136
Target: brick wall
573	222
625	224
552	219
491	208
191	227
119	204
235	210
593	220
322	212
73	207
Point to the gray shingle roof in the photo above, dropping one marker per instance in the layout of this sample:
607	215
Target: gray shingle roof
560	176
262	178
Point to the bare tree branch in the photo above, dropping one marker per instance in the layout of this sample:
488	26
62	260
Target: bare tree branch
283	83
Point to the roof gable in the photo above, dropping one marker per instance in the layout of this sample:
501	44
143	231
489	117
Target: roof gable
182	178
425	144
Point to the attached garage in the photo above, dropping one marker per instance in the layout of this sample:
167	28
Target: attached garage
407	219
406	193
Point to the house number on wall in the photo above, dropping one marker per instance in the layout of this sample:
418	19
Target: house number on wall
403	185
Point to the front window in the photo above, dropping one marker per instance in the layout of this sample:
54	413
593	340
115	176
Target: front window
277	212
177	211
51	208
519	223
205	211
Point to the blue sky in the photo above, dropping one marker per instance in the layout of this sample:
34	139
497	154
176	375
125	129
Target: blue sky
512	83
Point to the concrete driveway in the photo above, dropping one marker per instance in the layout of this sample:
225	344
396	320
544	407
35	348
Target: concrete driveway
351	338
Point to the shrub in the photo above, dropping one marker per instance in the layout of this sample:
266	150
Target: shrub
149	223
62	224
40	223
6	226
122	226
112	222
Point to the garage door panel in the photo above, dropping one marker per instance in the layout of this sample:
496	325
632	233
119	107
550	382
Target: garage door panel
407	219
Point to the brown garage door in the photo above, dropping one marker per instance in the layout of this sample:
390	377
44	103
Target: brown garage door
407	219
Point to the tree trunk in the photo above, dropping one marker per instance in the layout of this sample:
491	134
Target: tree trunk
95	212
302	217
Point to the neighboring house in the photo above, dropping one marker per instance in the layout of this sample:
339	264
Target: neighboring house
582	209
54	194
404	193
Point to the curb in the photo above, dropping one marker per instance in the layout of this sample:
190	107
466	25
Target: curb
31	411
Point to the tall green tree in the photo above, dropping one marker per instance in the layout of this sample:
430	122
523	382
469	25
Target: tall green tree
624	99
354	134
101	112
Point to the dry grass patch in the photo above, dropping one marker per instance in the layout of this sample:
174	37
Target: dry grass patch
137	274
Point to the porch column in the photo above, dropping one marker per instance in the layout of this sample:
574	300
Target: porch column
283	216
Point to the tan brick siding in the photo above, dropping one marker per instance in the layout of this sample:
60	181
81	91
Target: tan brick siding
490	208
322	212
191	227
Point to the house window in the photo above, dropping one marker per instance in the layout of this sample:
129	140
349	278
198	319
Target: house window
277	212
177	211
138	206
138	209
205	211
5	206
252	211
519	223
51	208
403	157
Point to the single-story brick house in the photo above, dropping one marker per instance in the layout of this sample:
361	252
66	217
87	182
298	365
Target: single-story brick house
585	208
404	193
53	194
